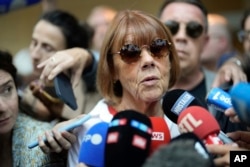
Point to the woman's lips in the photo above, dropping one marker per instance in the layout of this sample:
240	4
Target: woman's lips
149	81
4	121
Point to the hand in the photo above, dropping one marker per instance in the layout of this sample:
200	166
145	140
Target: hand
222	153
229	71
75	59
242	138
233	117
56	140
53	105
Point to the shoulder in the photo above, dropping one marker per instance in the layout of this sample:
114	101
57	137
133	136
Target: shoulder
25	131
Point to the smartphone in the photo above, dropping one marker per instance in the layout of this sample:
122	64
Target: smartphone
69	127
64	90
50	93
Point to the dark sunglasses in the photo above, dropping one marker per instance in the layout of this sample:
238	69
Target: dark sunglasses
243	35
193	29
131	52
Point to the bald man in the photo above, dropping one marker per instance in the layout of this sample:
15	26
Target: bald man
219	45
99	19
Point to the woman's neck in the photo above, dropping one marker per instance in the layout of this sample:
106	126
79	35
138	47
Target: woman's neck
149	109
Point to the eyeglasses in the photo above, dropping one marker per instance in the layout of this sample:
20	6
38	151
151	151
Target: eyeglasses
193	29
243	35
131	52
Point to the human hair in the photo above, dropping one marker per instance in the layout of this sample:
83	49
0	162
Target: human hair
246	14
7	65
197	3
75	34
139	24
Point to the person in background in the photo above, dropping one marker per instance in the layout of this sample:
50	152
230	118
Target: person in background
134	72
219	47
18	129
244	38
187	21
99	19
244	33
54	32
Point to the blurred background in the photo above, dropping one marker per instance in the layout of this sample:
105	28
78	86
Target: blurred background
18	18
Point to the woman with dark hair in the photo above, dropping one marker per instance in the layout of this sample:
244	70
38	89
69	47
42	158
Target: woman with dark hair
16	128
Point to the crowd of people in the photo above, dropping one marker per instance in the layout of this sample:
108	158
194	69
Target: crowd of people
127	62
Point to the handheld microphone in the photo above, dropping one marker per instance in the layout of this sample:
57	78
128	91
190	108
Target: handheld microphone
175	101
160	133
185	150
93	145
199	121
218	99
128	139
241	101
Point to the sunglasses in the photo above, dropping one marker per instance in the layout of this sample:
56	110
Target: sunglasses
193	29
243	35
131	52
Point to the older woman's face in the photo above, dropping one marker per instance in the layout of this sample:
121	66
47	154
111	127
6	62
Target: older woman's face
145	79
8	103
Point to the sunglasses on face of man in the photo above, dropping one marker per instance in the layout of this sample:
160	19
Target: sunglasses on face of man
244	35
193	29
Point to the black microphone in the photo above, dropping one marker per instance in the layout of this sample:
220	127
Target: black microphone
128	139
185	150
175	101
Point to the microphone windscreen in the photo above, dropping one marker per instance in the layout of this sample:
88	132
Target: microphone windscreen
128	139
199	121
185	150
160	133
175	101
93	145
241	101
218	99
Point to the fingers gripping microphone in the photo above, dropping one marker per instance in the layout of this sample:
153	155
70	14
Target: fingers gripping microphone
241	101
175	101
93	145
128	139
199	121
160	133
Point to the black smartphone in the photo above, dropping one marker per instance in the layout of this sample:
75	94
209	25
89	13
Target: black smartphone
64	90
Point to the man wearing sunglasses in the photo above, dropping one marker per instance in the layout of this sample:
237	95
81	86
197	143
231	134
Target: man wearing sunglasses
187	21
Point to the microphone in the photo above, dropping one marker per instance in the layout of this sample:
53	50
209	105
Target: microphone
199	121
241	101
128	139
93	145
160	133
175	101
185	150
219	99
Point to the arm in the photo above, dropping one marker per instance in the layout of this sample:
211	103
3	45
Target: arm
230	71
